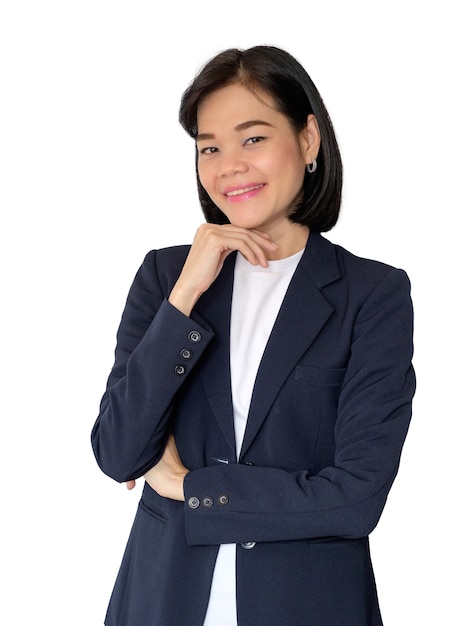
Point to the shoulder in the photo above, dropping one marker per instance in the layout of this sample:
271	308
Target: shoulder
372	273
167	260
160	269
164	256
362	266
330	262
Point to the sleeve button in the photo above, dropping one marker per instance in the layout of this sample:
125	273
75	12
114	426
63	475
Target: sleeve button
223	499
194	336
185	353
180	370
207	502
194	502
248	545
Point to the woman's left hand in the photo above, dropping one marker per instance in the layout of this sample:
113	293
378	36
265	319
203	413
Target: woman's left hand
167	476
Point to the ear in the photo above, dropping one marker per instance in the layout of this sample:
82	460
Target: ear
310	139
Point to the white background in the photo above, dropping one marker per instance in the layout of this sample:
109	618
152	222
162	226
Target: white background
95	171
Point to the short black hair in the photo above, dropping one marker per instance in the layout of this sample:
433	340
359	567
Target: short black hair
278	74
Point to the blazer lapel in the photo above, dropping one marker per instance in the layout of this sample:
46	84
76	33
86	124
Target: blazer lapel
303	314
214	307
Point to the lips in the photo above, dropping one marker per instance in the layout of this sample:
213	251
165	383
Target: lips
242	190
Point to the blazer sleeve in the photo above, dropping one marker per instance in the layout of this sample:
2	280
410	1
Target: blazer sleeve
157	348
239	503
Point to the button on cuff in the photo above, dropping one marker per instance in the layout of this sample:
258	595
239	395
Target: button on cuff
193	502
194	336
248	545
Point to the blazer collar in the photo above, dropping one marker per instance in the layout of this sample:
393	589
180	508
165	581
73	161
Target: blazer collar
303	313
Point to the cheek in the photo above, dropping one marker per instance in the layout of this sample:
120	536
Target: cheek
285	162
206	178
295	171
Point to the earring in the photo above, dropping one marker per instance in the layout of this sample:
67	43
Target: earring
312	167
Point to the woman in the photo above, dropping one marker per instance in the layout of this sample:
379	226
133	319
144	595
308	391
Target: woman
262	381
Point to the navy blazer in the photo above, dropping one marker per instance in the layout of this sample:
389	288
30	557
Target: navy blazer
329	414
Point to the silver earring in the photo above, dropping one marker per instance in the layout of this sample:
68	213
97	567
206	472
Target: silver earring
312	167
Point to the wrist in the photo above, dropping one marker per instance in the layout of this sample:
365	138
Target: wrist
183	299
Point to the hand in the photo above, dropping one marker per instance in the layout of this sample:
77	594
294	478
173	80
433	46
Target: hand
167	476
210	247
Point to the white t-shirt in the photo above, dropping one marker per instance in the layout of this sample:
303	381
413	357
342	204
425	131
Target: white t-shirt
258	293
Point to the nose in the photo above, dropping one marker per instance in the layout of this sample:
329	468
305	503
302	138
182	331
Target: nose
232	162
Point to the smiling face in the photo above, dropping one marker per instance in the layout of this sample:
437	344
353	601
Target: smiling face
251	161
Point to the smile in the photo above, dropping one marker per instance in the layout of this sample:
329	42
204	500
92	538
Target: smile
238	192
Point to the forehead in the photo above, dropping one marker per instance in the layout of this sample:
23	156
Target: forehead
233	105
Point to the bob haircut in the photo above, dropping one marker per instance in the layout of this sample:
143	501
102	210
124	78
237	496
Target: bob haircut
274	72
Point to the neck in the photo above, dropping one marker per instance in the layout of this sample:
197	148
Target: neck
291	238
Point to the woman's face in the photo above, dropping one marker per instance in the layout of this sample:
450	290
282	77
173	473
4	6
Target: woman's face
251	162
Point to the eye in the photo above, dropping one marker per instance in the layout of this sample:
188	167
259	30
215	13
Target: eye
208	150
253	140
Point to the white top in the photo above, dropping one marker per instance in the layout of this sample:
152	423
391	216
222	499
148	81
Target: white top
258	293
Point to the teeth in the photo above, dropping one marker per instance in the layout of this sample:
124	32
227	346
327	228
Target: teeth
238	192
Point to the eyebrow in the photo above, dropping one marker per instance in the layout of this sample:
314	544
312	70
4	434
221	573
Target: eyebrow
238	127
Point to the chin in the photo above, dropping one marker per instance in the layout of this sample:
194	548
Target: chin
244	221
249	224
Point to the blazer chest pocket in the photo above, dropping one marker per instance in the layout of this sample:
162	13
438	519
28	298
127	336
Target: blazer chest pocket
316	393
318	390
320	375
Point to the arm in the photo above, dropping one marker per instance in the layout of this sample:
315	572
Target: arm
167	476
130	432
347	498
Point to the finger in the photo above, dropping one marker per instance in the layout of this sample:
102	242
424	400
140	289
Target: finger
252	243
217	232
254	247
130	484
